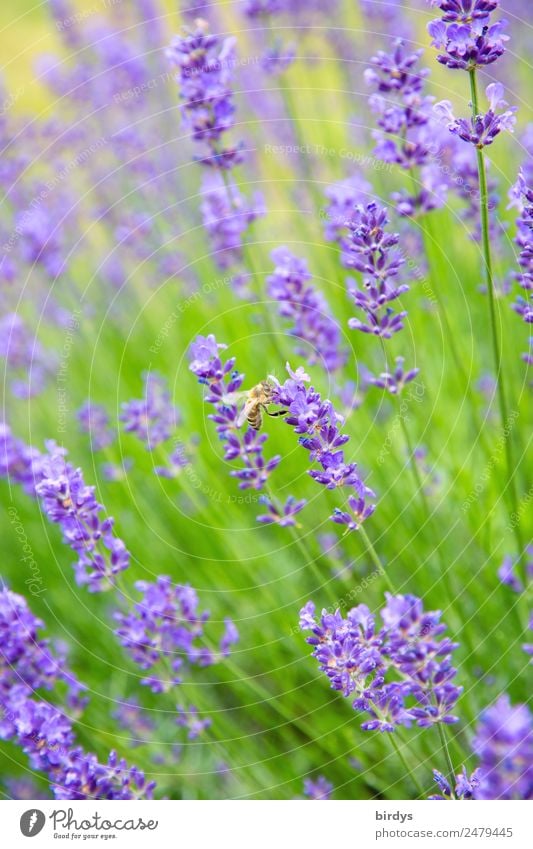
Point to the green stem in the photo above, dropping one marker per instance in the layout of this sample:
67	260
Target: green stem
375	558
446	751
487	262
408	769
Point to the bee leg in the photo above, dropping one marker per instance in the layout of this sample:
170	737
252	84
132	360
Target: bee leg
278	413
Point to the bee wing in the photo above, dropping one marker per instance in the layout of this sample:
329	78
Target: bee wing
243	415
233	397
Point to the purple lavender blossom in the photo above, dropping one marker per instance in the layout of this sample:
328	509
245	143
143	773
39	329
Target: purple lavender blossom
307	309
94	420
466	35
132	718
19	462
343	197
465	787
406	132
27	662
400	674
205	63
154	417
523	195
372	252
28	363
396	381
318	426
283	516
42	730
70	503
508	576
230	637
480	130
189	718
223	382
226	216
504	746
318	788
163	631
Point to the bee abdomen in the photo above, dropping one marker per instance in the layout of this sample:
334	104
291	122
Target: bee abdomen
255	419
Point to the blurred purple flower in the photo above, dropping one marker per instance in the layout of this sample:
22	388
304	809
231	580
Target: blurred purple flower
318	788
313	322
94	420
504	746
283	516
154	417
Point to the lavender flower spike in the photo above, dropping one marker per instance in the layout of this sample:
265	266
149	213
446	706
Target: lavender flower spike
465	34
223	382
398	675
205	63
483	129
318	426
308	310
372	252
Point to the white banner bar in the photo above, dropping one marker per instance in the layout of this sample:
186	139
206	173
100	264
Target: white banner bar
268	825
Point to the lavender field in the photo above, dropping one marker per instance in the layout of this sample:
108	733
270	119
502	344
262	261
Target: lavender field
265	446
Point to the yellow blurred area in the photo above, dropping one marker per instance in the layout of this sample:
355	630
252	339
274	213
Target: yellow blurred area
27	30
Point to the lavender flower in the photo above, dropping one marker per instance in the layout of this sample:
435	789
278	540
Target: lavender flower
19	462
466	34
28	363
308	310
465	787
283	516
154	417
135	720
507	575
524	239
318	427
504	747
372	252
205	63
94	420
226	216
480	130
27	662
189	718
343	197
223	382
70	503
44	732
399	674
396	381
162	632
319	788
405	117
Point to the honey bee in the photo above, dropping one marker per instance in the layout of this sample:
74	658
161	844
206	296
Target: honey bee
257	400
